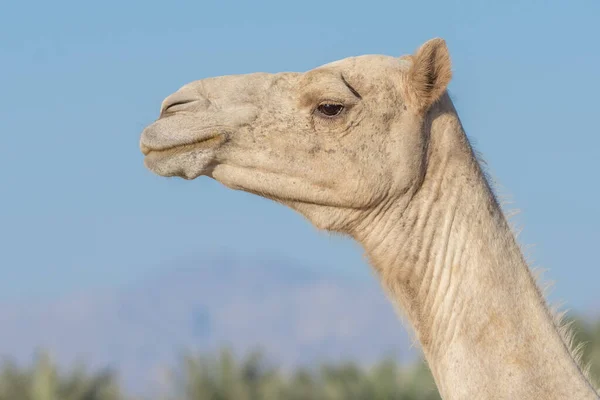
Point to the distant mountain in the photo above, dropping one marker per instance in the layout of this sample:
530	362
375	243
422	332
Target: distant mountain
296	315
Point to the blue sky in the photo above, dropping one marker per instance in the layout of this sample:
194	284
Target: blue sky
80	80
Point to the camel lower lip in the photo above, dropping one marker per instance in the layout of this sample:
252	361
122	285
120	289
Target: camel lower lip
203	144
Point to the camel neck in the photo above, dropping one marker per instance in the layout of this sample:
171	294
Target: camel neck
449	260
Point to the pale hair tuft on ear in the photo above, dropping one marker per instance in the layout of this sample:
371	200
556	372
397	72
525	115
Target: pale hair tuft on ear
429	75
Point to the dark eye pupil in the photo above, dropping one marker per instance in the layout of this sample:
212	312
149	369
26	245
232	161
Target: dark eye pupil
330	109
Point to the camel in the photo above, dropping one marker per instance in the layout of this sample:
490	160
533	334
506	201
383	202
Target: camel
372	147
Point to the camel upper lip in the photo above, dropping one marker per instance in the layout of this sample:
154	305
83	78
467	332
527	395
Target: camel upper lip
145	149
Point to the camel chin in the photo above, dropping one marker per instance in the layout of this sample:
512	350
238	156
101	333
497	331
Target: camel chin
186	164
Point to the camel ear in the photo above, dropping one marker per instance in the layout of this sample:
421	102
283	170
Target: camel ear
429	75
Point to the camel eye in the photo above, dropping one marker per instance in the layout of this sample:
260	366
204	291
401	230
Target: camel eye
330	109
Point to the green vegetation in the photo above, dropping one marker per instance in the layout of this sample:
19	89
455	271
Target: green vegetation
222	377
43	382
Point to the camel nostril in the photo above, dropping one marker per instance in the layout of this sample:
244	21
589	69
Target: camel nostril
178	101
178	105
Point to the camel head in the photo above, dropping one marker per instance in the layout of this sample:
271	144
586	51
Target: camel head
334	143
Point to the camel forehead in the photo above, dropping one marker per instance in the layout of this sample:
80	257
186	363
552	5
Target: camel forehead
367	64
366	72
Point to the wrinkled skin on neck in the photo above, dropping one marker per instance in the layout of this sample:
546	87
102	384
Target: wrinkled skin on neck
372	147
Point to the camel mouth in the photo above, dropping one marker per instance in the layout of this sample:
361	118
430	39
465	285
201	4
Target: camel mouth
207	143
187	160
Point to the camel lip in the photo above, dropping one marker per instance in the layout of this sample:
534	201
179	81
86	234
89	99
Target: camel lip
205	143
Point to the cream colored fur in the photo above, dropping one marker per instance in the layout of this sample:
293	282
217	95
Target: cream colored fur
394	170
